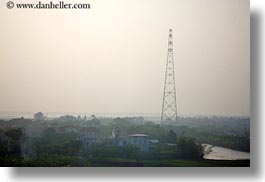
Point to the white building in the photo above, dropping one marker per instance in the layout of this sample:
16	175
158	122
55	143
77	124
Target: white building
88	137
141	141
119	137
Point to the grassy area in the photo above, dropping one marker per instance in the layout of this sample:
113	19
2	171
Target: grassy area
170	163
197	163
60	161
116	162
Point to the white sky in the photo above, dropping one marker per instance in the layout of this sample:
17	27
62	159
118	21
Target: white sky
111	58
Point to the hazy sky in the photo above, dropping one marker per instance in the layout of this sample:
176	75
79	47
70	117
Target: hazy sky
111	58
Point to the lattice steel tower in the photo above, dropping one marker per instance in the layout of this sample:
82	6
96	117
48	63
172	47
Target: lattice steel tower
169	105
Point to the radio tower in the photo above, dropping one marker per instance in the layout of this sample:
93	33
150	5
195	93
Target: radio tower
169	105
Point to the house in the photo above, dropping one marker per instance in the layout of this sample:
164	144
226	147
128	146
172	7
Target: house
120	137
66	129
88	137
141	141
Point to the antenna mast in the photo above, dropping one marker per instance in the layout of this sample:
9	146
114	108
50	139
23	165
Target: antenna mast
169	105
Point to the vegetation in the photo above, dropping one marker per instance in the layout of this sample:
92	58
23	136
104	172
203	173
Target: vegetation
39	142
217	136
189	148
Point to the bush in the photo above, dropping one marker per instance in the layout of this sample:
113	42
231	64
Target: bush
189	148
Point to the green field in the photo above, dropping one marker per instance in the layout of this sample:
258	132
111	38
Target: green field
170	163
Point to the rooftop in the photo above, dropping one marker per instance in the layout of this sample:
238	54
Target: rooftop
88	129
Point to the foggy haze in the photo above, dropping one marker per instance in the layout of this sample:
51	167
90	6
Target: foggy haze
112	57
